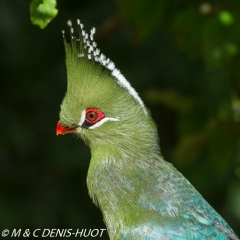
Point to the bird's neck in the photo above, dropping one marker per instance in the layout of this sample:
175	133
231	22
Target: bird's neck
118	174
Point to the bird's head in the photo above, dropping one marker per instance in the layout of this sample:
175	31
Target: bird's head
99	104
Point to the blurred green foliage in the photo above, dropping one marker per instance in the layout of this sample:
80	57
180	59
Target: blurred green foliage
181	56
42	12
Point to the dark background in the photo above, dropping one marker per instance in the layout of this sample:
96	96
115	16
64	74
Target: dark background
183	59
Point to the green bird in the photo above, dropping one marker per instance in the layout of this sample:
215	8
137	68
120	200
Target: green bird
141	196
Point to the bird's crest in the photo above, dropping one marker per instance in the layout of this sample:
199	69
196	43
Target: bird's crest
85	48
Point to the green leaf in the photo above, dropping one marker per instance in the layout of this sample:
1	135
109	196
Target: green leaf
42	12
226	18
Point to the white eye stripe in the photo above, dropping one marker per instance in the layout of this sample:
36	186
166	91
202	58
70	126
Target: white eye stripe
103	120
83	118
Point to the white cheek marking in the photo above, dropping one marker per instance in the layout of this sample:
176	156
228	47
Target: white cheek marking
83	117
103	121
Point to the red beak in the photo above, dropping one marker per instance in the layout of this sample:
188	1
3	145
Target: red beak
63	130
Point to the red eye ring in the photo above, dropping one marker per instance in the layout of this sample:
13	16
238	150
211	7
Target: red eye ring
93	115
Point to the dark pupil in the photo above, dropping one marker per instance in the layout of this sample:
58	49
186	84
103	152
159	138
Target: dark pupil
92	116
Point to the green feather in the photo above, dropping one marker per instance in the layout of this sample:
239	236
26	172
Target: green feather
116	147
140	195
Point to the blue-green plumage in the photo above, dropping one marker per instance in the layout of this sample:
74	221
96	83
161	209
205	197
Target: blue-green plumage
140	195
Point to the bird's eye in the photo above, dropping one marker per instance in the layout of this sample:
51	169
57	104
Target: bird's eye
93	115
92	118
